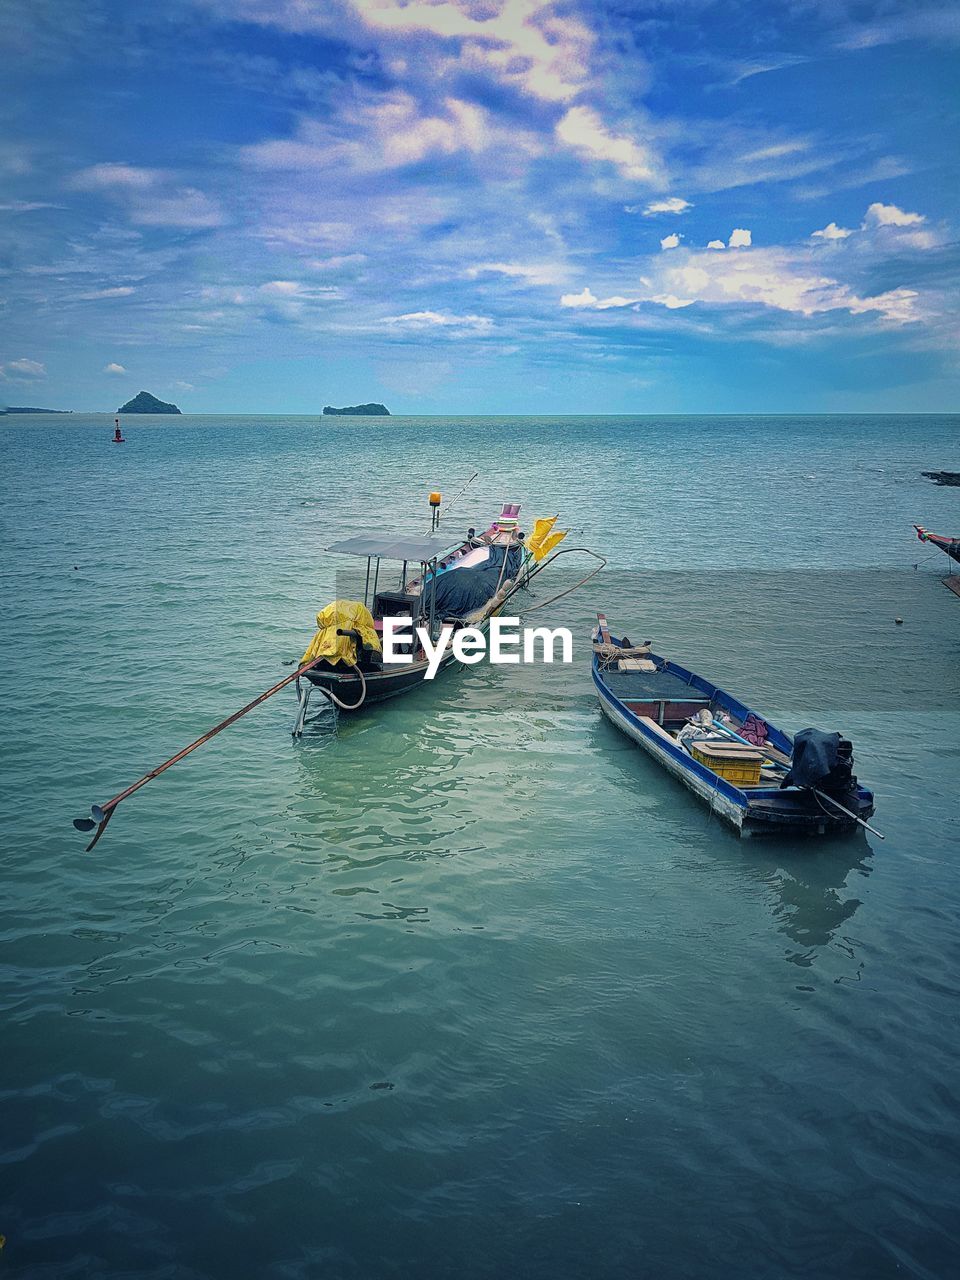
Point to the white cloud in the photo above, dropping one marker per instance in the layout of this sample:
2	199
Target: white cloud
534	273
716	244
831	232
671	301
693	278
583	130
277	298
936	25
336	261
151	197
672	204
27	206
671	241
440	320
898	305
740	238
525	45
883	169
23	370
106	176
583	299
586	300
888	215
522	42
95	295
114	368
888	221
390	131
776	151
734	159
782	279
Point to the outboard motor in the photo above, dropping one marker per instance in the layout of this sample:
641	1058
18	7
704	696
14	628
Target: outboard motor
824	761
841	782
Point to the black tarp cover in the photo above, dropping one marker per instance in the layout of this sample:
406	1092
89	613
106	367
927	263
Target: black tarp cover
462	591
815	756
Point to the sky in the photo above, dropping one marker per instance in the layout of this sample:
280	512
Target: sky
481	206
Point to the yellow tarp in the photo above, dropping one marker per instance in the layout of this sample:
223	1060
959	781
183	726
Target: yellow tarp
542	541
349	615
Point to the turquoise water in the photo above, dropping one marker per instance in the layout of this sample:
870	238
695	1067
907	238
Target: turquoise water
468	987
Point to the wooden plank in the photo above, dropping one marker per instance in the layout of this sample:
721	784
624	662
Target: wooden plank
721	751
652	725
953	582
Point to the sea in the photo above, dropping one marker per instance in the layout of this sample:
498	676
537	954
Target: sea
466	986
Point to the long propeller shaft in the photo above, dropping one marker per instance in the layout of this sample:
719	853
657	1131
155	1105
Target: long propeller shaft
101	814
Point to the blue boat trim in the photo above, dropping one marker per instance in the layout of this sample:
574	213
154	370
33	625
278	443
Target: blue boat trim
757	810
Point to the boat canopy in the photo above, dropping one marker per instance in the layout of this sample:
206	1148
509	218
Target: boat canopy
386	547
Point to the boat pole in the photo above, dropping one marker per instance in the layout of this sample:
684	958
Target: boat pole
101	814
440	511
866	825
433	595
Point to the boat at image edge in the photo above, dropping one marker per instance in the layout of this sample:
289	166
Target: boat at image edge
949	545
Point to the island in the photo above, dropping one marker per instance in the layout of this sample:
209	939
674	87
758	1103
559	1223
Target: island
21	408
144	402
367	410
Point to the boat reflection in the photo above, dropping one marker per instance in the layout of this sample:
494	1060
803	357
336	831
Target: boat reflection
809	891
807	880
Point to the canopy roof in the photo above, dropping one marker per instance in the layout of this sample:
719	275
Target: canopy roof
387	547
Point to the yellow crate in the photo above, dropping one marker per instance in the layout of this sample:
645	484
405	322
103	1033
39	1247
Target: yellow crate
736	764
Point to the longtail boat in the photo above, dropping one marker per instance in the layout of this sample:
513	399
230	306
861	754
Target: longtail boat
950	545
752	775
459	584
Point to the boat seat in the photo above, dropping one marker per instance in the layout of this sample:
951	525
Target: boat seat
652	685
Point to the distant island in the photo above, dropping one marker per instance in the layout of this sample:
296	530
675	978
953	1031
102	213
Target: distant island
370	410
144	402
20	408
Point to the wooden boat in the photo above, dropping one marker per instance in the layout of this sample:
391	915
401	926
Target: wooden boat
950	545
702	736
464	584
460	584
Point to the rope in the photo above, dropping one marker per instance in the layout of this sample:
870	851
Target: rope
576	586
560	594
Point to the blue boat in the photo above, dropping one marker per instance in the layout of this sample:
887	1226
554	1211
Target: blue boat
751	774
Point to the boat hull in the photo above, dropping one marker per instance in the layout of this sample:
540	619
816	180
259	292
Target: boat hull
376	686
759	811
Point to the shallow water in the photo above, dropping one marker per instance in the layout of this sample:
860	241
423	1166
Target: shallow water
468	987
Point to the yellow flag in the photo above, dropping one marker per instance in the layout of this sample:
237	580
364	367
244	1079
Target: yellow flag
547	545
540	530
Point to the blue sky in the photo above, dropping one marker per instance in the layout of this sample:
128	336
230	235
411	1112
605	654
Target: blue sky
480	206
